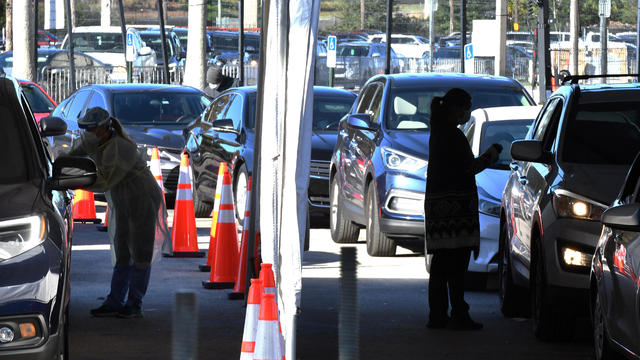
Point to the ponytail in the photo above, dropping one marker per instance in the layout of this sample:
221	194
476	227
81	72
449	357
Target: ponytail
117	127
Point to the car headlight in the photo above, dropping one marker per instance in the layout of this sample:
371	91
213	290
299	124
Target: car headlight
570	205
396	160
488	204
20	235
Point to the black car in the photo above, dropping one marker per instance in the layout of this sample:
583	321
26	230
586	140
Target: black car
35	231
356	62
153	115
226	133
225	47
50	60
176	54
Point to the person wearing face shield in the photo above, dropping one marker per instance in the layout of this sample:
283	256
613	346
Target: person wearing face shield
137	212
218	82
451	209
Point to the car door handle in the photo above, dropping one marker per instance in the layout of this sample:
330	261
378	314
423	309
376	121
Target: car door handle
523	180
514	166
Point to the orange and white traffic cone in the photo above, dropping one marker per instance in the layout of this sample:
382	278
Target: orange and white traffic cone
84	207
268	343
214	219
251	320
184	238
156	169
241	273
268	279
104	227
225	262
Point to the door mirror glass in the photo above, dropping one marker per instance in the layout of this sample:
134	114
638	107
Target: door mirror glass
529	150
52	126
224	125
361	121
71	172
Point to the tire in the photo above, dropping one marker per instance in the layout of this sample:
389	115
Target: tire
549	323
63	349
343	230
514	301
601	345
378	243
240	192
201	208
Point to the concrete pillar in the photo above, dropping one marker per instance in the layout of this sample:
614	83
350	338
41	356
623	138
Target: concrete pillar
500	65
194	74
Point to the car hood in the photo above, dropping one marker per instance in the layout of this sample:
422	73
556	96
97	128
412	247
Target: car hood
115	59
492	182
415	143
166	136
322	144
17	199
601	183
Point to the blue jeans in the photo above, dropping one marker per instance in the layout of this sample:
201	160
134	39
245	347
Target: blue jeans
128	279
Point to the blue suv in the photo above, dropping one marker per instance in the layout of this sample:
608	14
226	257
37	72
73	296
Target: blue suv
378	168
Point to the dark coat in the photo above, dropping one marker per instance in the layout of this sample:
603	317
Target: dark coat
227	82
451	195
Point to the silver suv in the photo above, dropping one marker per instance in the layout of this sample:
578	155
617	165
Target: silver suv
565	173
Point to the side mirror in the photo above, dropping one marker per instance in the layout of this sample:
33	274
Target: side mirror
623	217
52	126
361	121
71	172
224	125
145	51
529	150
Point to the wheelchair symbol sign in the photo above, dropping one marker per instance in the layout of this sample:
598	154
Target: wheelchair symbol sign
331	43
468	52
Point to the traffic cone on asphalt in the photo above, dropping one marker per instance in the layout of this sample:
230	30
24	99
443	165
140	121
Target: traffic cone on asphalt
241	273
214	219
156	170
251	320
225	260
268	280
104	227
84	207
184	237
268	335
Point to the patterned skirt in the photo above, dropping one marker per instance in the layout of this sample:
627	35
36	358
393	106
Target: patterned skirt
451	221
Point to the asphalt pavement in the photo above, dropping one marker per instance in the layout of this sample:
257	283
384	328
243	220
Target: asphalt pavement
392	308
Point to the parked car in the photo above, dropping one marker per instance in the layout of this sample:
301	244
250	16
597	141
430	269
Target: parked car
568	169
47	40
52	63
105	44
446	59
410	46
497	125
36	227
614	278
356	62
176	54
225	47
40	102
379	164
153	115
225	132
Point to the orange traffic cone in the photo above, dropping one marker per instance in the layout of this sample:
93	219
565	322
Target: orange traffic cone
104	227
84	207
156	170
239	288
184	238
251	320
214	219
225	262
268	336
268	280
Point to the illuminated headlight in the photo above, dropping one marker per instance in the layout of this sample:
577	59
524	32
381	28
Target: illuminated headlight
20	235
488	207
572	205
574	257
405	202
254	62
6	335
396	160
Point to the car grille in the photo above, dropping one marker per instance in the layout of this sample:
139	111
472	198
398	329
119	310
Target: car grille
319	168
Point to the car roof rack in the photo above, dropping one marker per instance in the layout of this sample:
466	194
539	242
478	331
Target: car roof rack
565	77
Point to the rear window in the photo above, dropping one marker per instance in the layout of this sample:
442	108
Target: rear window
97	42
409	108
158	107
503	133
353	51
38	101
603	133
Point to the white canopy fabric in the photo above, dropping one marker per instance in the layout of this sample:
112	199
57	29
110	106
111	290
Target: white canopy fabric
286	149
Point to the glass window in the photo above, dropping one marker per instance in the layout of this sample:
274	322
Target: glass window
14	154
154	41
60	60
158	107
97	100
251	111
38	101
352	50
81	60
97	42
328	110
366	95
550	113
376	104
503	133
234	111
218	107
603	133
76	109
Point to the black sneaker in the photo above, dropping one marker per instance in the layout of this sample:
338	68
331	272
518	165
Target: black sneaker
437	323
104	311
463	324
130	312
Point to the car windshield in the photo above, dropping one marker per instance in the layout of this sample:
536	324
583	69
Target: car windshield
603	133
159	107
97	42
13	149
503	133
353	50
6	61
409	108
154	41
225	42
327	111
38	101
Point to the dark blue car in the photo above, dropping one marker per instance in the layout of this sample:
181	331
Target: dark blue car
379	165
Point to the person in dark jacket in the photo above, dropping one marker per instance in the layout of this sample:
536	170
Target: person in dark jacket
218	82
451	209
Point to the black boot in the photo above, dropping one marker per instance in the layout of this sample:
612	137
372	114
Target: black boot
463	322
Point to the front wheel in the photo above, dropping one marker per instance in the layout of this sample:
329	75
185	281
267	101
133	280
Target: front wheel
343	230
240	192
378	243
602	347
513	299
201	208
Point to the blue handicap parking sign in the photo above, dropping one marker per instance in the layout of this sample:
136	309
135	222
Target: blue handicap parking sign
129	39
468	52
331	43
